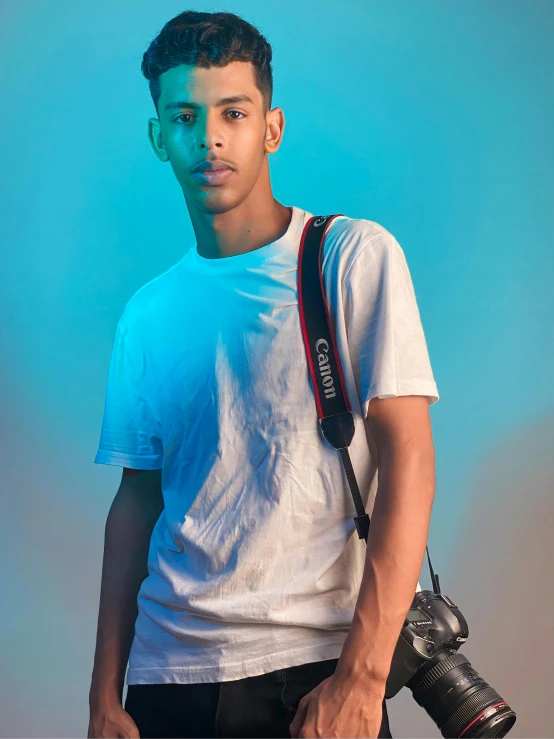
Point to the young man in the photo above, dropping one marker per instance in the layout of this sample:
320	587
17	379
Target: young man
235	583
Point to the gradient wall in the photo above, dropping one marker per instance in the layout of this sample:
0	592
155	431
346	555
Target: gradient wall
432	118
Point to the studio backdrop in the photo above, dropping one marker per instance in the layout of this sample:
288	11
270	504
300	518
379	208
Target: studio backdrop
433	119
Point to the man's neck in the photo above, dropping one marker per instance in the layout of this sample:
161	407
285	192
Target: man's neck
240	230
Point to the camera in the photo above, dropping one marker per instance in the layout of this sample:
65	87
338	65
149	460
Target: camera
441	679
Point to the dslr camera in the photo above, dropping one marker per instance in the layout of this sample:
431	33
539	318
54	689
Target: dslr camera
441	679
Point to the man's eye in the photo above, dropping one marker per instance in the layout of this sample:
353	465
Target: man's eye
229	111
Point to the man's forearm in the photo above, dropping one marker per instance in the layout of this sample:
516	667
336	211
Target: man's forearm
127	539
395	551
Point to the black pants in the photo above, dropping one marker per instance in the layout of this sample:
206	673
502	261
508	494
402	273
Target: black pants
259	706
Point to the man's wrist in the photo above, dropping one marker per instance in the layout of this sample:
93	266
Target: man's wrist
361	678
104	694
364	659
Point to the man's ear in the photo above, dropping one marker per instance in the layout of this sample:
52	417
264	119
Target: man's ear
275	128
156	140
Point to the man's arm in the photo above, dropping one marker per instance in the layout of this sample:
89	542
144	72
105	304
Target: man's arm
401	428
133	513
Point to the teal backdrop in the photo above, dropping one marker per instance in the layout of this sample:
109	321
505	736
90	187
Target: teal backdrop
432	118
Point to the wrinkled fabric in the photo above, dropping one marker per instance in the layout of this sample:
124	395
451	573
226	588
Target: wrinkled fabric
255	564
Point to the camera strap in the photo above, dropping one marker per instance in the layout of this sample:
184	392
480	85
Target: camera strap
333	408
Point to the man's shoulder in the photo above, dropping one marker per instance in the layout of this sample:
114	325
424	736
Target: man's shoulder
348	237
148	301
360	228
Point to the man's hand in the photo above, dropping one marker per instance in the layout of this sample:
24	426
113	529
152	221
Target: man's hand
339	708
112	722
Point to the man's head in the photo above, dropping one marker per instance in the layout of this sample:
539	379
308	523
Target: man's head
197	60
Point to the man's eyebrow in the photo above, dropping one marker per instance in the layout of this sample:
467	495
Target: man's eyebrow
223	101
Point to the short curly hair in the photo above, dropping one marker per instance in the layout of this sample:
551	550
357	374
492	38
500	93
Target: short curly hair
205	40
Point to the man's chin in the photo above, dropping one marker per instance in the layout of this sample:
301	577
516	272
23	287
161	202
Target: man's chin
215	201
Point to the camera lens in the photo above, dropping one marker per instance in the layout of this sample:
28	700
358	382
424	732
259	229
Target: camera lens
458	700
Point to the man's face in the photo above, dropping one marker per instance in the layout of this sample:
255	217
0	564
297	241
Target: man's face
236	132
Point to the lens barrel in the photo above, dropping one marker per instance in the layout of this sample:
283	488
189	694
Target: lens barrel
458	700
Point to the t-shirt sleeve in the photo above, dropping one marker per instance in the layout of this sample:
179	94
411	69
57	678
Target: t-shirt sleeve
130	434
384	331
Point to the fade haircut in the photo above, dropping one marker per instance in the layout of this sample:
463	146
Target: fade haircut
206	40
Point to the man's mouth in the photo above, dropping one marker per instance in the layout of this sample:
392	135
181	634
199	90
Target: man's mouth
213	177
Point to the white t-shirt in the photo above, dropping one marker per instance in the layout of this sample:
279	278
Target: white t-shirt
255	563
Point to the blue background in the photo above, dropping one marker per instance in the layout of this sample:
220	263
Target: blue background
432	118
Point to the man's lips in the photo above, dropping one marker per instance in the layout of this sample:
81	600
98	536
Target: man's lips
212	177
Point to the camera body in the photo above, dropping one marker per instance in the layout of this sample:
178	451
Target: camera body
442	680
432	625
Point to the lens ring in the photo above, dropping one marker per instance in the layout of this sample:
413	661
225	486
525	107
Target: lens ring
472	709
436	672
459	700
